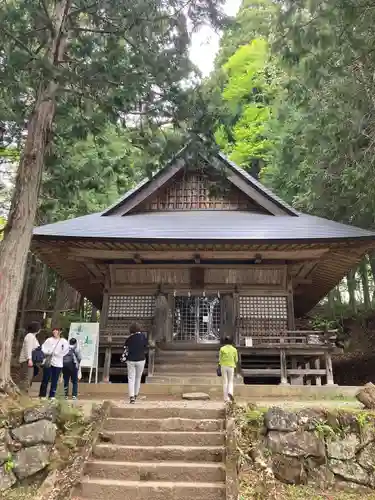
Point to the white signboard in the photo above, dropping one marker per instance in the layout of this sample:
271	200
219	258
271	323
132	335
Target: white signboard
87	335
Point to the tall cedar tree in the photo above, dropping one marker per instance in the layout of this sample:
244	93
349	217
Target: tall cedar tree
113	59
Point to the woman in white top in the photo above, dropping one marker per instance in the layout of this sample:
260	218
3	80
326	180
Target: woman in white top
30	342
54	348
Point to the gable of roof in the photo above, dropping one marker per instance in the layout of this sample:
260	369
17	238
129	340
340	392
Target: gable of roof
236	176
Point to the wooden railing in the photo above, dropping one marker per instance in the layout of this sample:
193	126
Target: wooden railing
292	356
313	338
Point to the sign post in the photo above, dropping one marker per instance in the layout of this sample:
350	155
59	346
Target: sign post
87	335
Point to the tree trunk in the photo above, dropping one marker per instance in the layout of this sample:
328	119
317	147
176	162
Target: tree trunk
38	297
21	322
363	268
18	232
351	289
372	267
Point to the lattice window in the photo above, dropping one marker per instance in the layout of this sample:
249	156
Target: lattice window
123	310
262	316
131	306
195	190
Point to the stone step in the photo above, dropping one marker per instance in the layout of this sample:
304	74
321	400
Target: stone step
134	411
177	358
145	490
152	438
208	369
156	471
167	424
199	353
159	453
185	382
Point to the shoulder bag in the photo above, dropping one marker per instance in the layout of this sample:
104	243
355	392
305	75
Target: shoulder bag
48	357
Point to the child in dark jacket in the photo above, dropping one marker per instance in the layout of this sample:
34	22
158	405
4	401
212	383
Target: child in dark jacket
71	368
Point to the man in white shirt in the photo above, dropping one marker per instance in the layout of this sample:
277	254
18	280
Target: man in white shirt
30	342
54	349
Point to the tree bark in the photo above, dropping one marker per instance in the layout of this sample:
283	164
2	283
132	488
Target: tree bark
18	232
38	296
351	289
365	284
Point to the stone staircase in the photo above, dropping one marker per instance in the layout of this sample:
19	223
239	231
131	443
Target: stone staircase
157	452
186	367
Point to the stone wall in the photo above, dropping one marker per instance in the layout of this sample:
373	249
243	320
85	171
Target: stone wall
27	437
316	447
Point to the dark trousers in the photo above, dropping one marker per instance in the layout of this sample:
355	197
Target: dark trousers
70	373
50	374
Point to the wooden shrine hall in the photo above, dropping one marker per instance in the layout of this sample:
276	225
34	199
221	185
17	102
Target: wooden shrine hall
200	251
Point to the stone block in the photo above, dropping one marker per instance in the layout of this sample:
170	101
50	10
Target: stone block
196	396
289	470
309	417
343	449
366	457
350	470
3	447
47	411
277	419
7	479
42	431
29	461
296	444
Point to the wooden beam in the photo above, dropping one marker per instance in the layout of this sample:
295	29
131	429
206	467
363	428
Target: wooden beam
301	281
295	255
259	198
137	259
150	188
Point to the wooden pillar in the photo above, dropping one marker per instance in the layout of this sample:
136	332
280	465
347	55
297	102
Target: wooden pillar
329	368
161	317
227	317
317	367
308	377
107	363
236	317
103	323
284	375
169	319
290	305
296	379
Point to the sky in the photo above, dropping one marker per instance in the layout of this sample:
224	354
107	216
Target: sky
205	43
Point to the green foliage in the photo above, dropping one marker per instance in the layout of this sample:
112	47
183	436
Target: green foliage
9	464
324	127
324	431
125	85
247	95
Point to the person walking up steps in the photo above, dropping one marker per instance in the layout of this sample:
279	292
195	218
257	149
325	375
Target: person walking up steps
71	361
135	346
228	360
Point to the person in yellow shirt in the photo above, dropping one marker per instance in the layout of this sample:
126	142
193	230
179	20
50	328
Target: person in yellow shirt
228	360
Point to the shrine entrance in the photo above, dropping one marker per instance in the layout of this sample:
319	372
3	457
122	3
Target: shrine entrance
197	319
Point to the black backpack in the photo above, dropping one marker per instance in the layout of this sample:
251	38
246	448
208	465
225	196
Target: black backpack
69	359
37	356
